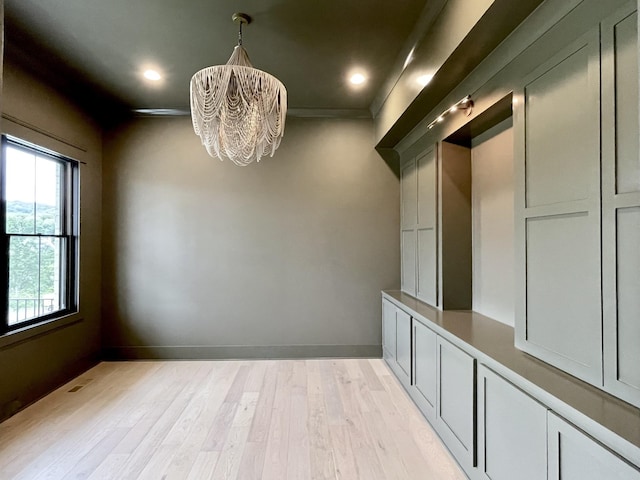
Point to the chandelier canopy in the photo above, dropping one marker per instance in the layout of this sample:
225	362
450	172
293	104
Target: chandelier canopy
237	110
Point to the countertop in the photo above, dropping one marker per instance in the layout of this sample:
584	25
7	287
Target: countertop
492	343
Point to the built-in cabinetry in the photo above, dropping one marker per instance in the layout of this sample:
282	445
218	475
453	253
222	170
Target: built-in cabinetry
499	423
512	431
572	93
574	455
441	375
388	331
576	152
397	340
408	221
425	368
427	259
436	225
419	233
403	342
456	400
621	205
557	172
577	208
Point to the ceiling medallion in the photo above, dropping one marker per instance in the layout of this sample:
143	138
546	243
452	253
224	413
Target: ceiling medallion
237	110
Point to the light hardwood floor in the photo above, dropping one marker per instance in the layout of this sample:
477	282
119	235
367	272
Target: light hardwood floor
270	419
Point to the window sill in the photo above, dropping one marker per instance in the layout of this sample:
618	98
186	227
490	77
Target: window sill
32	331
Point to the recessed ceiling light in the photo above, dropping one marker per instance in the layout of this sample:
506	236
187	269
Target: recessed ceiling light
357	79
152	75
424	80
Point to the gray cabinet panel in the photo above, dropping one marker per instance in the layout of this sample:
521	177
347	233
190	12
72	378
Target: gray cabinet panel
512	431
403	341
425	367
409	262
563	291
557	212
621	204
559	140
409	194
625	44
456	402
427	241
388	330
628	287
575	456
419	229
427	189
427	266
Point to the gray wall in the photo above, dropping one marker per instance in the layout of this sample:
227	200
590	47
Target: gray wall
39	359
206	259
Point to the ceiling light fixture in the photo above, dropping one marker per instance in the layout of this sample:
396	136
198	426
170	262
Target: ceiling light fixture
466	105
152	75
424	80
357	79
237	110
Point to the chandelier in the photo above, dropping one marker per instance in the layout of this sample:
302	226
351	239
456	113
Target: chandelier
238	111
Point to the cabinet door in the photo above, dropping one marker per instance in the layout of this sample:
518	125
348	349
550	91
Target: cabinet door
403	342
388	330
409	194
425	368
573	455
456	402
409	261
557	212
427	272
621	204
409	220
512	431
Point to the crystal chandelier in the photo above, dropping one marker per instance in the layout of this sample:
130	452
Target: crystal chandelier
237	110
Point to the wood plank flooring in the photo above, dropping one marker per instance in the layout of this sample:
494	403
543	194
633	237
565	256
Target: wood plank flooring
342	419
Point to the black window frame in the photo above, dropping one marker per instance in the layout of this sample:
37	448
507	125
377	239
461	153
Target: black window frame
69	231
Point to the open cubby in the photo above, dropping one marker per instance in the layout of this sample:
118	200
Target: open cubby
440	215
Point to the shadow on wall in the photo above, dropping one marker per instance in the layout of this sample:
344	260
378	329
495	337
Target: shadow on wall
391	158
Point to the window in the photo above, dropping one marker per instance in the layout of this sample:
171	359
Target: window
39	214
